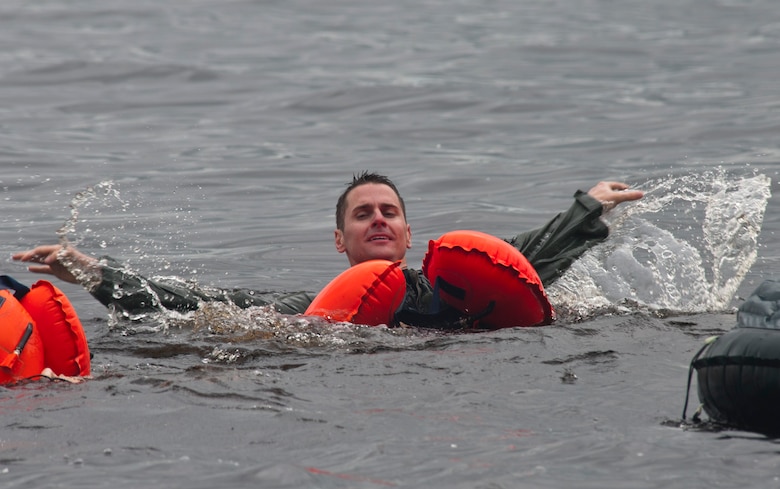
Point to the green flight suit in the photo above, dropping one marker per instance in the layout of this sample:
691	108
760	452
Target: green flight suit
551	249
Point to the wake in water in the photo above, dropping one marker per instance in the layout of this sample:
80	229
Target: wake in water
684	248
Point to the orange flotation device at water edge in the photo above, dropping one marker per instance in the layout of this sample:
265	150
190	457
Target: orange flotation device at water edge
39	329
487	280
368	293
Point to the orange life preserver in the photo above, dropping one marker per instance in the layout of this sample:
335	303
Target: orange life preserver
38	329
64	343
368	293
21	350
487	279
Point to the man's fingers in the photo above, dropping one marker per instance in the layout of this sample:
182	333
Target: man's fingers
627	195
42	254
41	269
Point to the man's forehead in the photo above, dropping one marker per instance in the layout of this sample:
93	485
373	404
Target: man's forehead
370	193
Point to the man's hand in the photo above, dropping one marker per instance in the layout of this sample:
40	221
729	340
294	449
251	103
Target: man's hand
611	194
50	258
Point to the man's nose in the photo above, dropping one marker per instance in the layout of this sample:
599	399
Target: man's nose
378	219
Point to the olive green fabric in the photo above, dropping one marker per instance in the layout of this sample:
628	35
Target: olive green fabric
551	249
136	294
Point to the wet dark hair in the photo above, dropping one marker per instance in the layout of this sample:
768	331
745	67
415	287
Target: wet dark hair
358	180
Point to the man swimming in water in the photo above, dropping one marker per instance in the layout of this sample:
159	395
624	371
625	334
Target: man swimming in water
370	224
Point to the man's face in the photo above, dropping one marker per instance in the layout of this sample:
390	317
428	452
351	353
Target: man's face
374	226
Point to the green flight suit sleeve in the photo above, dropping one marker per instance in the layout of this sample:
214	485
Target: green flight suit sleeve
552	248
136	294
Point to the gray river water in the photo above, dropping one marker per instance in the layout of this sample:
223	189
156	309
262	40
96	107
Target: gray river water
208	141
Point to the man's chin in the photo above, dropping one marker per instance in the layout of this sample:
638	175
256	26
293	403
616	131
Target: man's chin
384	256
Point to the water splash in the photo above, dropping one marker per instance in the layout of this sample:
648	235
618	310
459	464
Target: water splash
69	236
684	248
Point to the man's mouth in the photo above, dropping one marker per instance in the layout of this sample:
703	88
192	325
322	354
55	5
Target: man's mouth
379	238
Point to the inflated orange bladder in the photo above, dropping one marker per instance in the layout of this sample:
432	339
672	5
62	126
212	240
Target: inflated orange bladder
487	279
64	342
39	329
368	293
21	350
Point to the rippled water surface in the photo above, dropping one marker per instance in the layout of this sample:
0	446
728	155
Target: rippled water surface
208	141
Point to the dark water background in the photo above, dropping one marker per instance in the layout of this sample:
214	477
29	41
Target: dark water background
210	141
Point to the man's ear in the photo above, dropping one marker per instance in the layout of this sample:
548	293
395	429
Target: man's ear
339	239
408	236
